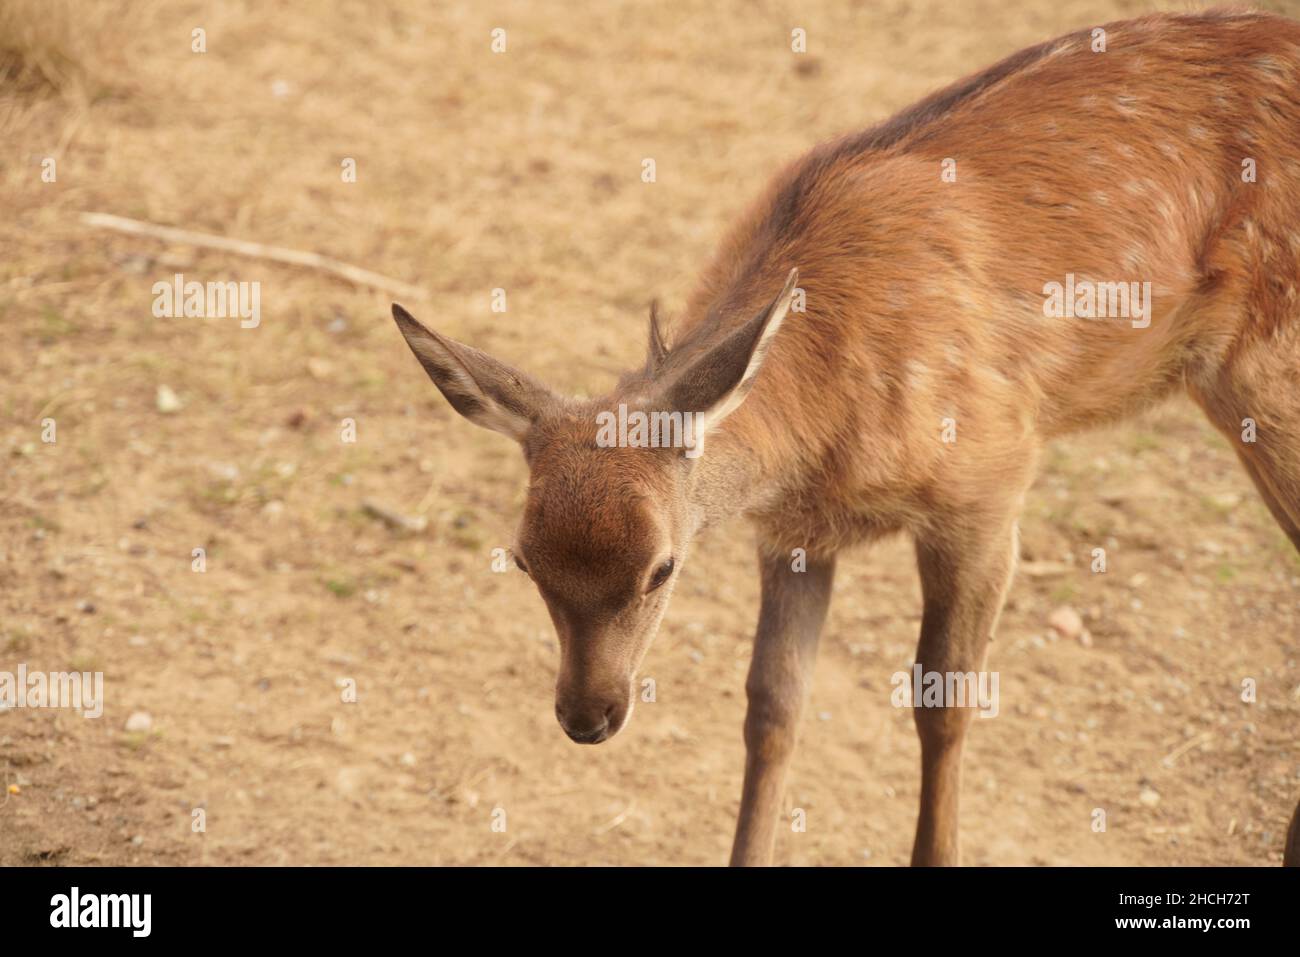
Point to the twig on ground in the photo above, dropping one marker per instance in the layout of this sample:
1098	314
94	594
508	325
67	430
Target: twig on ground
281	254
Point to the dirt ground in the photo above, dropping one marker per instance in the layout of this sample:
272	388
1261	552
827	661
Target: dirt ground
522	171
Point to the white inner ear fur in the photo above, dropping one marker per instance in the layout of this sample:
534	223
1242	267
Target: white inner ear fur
711	418
490	415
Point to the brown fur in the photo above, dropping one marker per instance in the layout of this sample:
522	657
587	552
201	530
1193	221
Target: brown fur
924	303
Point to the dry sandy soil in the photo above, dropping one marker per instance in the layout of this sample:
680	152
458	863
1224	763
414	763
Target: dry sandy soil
522	171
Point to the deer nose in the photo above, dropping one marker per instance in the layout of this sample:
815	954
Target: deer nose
589	725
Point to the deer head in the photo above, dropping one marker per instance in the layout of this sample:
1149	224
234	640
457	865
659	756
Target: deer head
610	511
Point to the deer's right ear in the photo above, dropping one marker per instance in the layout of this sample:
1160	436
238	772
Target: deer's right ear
487	392
717	382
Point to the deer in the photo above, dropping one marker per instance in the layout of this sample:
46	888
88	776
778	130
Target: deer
873	350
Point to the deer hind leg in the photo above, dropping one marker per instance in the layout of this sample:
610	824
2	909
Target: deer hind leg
790	620
965	572
1262	384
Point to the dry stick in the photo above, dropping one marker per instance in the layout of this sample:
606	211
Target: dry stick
1170	759
281	254
393	518
619	819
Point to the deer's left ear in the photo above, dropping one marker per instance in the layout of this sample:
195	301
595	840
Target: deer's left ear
715	384
657	349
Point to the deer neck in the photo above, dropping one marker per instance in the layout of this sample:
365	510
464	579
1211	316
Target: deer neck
740	470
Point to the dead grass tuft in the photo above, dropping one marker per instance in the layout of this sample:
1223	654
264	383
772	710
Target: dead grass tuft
65	46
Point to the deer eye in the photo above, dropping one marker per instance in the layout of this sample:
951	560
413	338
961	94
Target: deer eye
520	565
660	575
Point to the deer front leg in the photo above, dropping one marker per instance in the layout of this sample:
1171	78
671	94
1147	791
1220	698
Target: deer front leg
964	578
1291	853
789	622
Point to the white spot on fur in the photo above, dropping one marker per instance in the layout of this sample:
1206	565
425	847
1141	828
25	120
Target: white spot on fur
1127	104
988	372
915	375
1271	67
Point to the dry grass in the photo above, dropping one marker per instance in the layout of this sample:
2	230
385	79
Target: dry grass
73	48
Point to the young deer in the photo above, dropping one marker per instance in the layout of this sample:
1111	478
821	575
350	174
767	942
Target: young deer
1162	152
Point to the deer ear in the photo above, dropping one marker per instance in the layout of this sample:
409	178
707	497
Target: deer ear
487	392
714	385
657	350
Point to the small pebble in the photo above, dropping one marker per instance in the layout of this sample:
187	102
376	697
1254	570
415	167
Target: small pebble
1065	621
168	401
